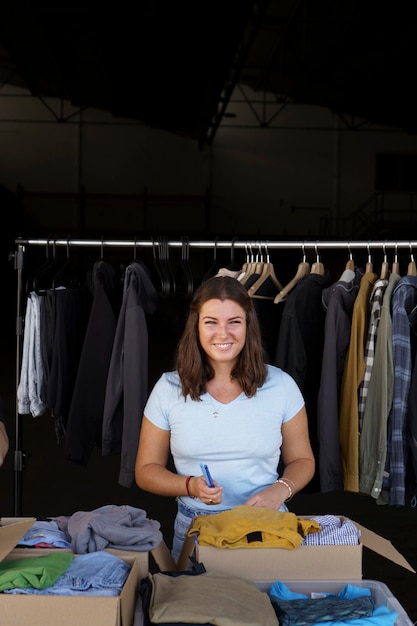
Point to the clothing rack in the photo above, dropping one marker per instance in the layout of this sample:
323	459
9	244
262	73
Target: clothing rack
235	243
248	245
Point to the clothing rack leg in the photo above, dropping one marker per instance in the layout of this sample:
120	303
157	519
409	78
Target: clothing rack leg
18	452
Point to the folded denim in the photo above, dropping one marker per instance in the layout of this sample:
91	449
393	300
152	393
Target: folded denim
189	512
46	532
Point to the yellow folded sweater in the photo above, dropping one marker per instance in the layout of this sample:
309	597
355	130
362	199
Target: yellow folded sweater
251	527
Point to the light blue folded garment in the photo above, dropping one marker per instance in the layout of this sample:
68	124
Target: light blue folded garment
349	592
46	532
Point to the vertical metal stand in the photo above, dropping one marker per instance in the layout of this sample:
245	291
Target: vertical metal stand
18	452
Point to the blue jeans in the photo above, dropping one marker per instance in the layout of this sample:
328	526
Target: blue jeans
182	523
93	574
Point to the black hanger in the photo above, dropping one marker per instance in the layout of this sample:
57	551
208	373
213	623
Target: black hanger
214	267
184	277
42	279
68	275
134	251
233	265
157	266
30	281
233	269
163	268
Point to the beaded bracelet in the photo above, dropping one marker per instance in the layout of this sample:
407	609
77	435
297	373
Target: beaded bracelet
187	483
283	481
288	480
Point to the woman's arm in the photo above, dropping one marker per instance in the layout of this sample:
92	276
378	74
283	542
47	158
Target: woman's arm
151	473
299	464
297	454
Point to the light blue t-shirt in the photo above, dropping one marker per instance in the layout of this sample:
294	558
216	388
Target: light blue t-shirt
240	441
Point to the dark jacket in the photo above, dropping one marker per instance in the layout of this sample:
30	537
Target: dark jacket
85	418
127	382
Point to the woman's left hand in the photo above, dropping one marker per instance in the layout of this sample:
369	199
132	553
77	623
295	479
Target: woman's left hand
272	497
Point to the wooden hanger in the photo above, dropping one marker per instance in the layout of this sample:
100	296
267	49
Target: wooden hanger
369	268
412	270
395	269
254	268
317	267
249	264
384	267
350	264
267	285
348	273
302	270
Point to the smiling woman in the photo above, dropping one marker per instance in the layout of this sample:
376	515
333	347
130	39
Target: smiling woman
225	407
222	334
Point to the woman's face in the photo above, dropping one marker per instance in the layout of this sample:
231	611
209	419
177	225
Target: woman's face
222	330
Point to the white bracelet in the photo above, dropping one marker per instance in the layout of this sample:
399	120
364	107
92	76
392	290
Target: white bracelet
288	480
283	481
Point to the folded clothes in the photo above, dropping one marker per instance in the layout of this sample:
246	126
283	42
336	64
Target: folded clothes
334	531
310	611
209	598
356	608
110	526
34	572
45	532
96	574
251	527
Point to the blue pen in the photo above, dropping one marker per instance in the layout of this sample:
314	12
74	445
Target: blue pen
207	474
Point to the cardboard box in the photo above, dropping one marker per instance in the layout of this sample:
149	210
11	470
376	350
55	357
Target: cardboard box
39	610
12	530
160	555
342	562
380	593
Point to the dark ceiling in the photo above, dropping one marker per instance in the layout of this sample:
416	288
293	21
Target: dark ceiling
174	65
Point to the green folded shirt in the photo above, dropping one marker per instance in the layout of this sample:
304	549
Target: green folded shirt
38	571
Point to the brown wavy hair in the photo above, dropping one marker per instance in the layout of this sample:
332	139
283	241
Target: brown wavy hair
192	364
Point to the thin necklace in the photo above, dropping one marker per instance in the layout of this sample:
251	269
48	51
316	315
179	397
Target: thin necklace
216	406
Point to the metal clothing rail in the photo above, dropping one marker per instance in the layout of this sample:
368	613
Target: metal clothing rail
235	243
248	245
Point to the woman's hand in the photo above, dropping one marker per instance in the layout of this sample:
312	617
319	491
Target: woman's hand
198	488
272	497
